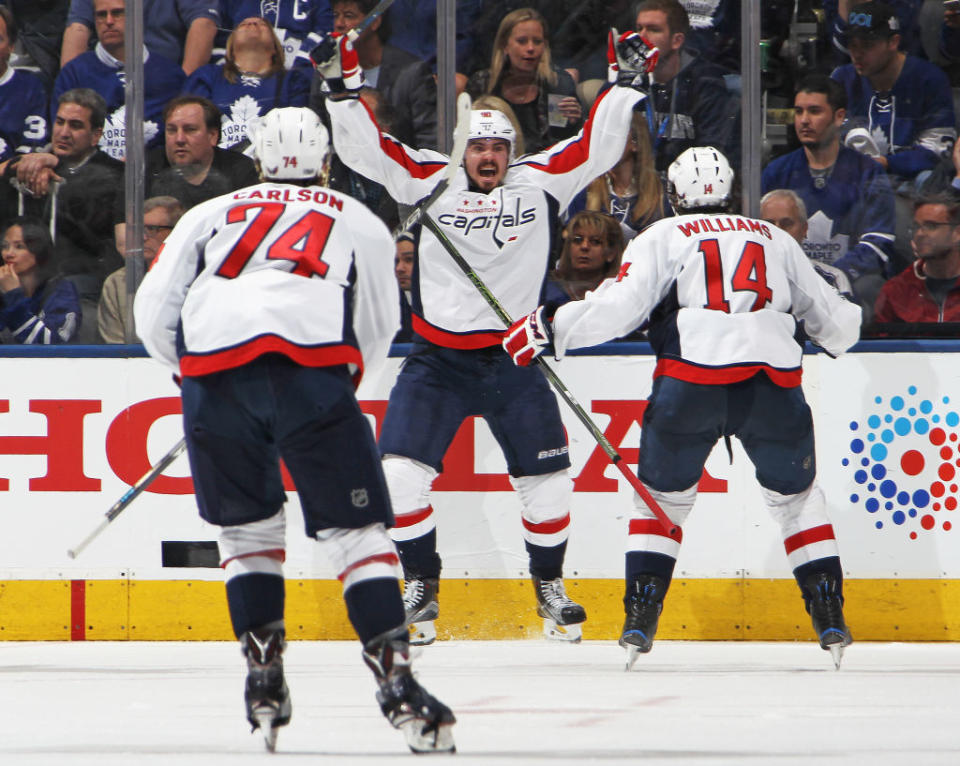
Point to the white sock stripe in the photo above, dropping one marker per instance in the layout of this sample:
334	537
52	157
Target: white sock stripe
653	544
258	564
807	553
402	534
372	571
547	541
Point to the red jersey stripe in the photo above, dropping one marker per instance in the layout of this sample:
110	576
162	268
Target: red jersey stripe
716	376
380	558
547	527
192	365
652	527
454	340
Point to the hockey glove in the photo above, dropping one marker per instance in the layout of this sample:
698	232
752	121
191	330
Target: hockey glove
336	60
528	338
630	59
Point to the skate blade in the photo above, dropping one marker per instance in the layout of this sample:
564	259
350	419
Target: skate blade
836	652
421	740
422	633
569	633
632	653
265	717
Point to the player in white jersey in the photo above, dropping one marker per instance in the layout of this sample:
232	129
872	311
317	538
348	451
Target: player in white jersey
727	298
500	213
270	302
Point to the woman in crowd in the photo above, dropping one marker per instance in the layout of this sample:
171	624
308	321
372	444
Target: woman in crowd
631	191
542	96
591	253
35	306
251	81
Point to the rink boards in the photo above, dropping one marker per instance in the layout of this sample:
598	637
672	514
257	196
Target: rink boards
76	431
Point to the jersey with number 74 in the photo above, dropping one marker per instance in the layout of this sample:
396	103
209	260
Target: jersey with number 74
723	295
274	268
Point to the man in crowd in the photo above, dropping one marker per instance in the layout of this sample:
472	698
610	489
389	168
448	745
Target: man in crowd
190	166
160	215
847	196
102	70
79	186
899	107
927	291
691	105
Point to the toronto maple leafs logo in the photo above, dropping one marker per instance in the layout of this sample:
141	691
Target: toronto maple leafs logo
880	138
114	138
822	244
233	128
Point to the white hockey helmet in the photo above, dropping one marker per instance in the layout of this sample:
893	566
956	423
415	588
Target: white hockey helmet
290	143
491	123
701	177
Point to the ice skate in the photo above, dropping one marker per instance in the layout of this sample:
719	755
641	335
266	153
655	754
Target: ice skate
426	722
642	604
825	607
561	615
421	608
266	694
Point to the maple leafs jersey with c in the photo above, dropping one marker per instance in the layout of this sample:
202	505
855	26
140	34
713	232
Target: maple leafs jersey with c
505	235
249	97
723	294
273	268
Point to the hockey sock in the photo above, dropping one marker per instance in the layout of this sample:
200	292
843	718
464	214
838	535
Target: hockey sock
374	607
546	562
255	599
640	563
829	565
419	556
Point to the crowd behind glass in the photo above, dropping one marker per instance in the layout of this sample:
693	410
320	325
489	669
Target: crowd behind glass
858	142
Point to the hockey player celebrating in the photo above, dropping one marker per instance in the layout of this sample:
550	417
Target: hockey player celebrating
725	296
270	302
499	212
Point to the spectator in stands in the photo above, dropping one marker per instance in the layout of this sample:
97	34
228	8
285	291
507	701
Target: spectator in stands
542	97
714	31
785	209
298	24
837	15
79	186
591	253
190	166
251	81
102	69
949	46
900	108
23	101
404	81
848	197
945	177
35	305
179	30
690	103
928	291
413	28
40	34
403	264
160	215
631	191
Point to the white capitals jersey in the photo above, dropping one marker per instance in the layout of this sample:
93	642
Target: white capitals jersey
505	235
273	268
723	294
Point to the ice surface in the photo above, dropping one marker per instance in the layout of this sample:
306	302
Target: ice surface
518	702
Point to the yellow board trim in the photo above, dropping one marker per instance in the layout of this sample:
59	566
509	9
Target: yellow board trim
701	609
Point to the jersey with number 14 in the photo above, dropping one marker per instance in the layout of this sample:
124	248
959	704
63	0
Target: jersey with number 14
724	295
273	268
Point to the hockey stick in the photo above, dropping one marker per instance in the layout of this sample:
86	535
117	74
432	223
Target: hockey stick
129	496
378	10
672	529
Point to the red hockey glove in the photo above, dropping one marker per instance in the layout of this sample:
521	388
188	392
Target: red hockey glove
630	58
528	338
336	60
